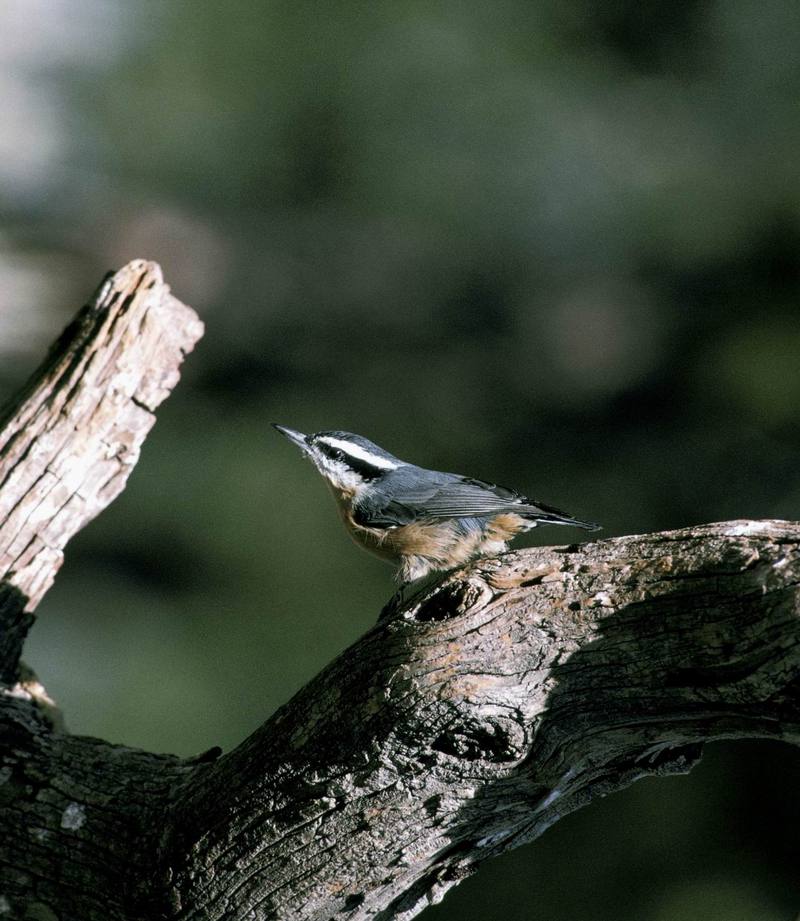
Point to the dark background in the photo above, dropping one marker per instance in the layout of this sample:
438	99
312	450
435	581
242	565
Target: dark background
554	245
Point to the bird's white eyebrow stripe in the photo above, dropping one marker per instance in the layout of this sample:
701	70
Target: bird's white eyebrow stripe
356	451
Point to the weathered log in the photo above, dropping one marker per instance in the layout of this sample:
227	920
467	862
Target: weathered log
471	717
69	441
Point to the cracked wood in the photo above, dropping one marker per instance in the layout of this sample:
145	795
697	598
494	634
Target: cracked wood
479	713
70	441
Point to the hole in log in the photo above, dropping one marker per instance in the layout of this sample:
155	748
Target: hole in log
352	902
449	601
488	741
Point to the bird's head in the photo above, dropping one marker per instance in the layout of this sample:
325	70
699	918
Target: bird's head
347	461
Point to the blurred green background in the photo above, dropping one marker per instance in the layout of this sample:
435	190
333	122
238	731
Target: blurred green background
554	245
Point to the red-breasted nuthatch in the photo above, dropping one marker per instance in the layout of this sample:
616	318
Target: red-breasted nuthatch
423	520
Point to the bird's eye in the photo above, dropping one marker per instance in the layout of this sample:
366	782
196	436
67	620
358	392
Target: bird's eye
332	453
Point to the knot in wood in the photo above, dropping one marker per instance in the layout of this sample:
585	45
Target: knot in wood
497	740
450	600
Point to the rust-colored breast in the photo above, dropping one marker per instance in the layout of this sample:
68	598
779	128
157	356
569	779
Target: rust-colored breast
441	542
428	539
504	527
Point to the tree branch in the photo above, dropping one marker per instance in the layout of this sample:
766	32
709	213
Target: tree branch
469	719
477	715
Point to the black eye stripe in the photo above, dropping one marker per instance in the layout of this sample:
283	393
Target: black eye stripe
330	451
358	465
366	470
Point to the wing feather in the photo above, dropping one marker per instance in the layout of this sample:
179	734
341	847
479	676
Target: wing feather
418	494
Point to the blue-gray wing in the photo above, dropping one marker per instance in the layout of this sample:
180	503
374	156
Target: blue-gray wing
411	493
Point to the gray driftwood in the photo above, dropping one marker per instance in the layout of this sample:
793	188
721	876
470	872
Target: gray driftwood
468	720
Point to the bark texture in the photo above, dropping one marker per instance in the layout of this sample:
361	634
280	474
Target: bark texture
70	440
471	717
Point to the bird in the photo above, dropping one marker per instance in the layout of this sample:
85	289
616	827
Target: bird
423	521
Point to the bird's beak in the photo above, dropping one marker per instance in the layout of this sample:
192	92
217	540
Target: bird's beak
296	438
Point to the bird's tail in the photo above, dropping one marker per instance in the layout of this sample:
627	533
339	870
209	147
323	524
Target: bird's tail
546	514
